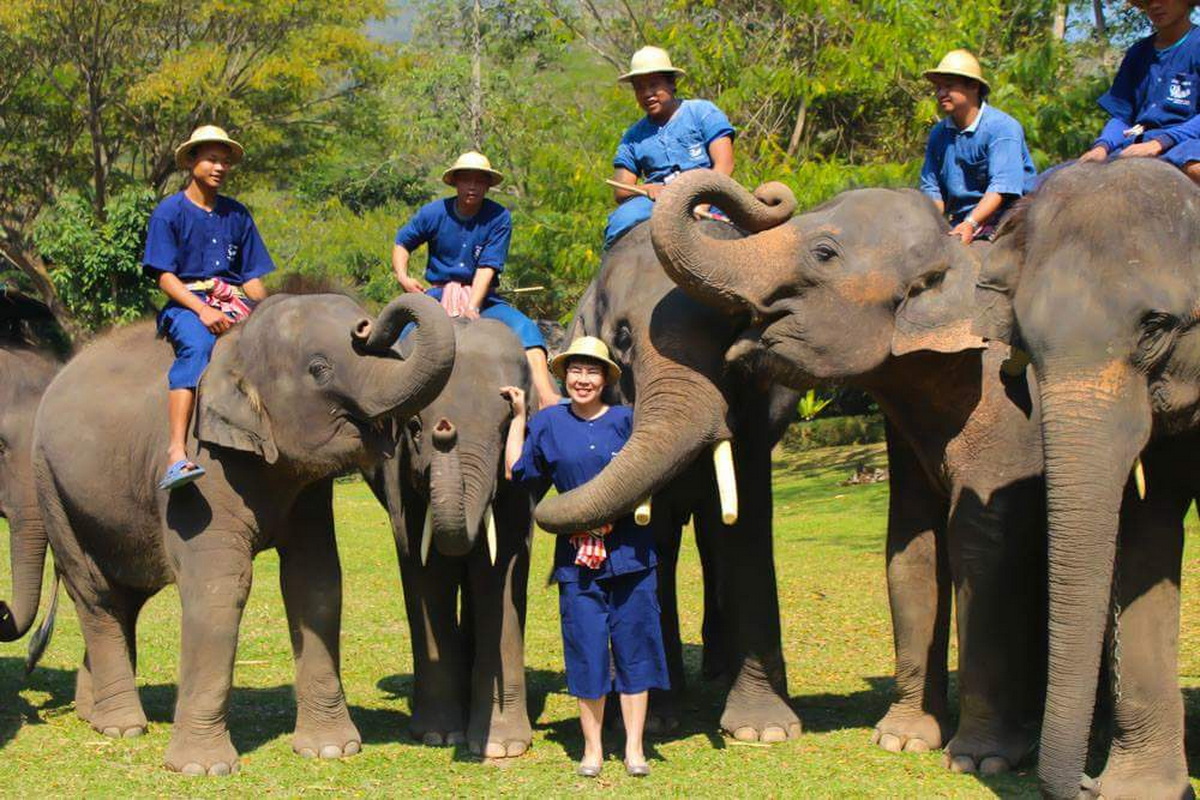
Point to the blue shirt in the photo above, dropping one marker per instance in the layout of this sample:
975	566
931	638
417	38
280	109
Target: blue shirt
656	153
989	155
196	244
1157	90
568	451
457	246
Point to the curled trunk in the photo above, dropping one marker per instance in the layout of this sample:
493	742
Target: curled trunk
728	274
1094	426
404	385
27	558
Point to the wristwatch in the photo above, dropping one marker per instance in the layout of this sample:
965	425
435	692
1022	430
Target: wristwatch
971	221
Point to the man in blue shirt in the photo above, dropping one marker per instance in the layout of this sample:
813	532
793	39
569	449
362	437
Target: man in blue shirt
468	237
976	160
674	136
1152	102
205	252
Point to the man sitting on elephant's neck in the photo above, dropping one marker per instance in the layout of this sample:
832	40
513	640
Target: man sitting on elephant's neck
208	258
675	136
976	160
468	237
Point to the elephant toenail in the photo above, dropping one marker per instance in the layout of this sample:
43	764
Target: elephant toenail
916	746
331	751
774	734
132	733
192	768
517	748
890	742
455	737
433	739
962	764
494	750
306	752
993	765
219	769
745	734
114	732
352	748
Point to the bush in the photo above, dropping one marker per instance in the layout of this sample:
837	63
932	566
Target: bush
834	431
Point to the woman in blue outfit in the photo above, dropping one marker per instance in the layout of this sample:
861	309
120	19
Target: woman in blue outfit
468	237
976	160
612	634
674	136
205	253
1152	101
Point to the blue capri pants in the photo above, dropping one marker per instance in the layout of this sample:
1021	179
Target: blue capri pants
620	612
192	342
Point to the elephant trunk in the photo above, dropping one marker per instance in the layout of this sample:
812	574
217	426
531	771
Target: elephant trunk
726	274
678	413
402	386
27	558
1094	425
461	483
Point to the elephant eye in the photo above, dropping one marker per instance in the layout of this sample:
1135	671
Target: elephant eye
623	338
414	427
824	252
321	370
3	448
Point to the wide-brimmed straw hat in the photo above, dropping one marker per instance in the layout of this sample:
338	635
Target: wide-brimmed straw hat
586	347
960	63
475	161
648	61
203	135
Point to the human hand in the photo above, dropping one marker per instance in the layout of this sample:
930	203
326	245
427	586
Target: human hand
216	321
410	284
471	312
1097	154
516	397
701	211
965	231
652	190
1147	149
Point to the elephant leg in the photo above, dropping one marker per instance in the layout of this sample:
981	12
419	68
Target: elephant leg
714	661
1147	754
214	581
918	582
440	666
499	726
310	577
756	708
997	557
662	714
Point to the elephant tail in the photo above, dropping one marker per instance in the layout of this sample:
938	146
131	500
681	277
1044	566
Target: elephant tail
41	637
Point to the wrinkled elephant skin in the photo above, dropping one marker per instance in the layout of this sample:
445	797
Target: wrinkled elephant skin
306	388
469	669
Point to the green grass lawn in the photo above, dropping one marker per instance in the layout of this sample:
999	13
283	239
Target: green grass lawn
837	640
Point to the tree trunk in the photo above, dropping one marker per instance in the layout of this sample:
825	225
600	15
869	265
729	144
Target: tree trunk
1101	25
476	77
798	129
31	265
1059	26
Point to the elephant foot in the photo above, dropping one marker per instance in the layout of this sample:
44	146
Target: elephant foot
909	730
989	750
441	738
662	715
83	694
765	718
1166	777
327	741
193	755
501	736
120	721
438	723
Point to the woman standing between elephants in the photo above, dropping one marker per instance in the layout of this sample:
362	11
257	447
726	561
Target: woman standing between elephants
205	252
674	136
1152	101
606	577
976	160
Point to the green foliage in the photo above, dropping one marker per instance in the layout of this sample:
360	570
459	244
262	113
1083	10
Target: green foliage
834	432
810	405
96	266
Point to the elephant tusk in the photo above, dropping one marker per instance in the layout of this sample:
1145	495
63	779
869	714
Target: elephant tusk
1139	478
641	514
427	536
491	534
726	481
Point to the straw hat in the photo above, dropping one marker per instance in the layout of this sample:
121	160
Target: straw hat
960	63
588	347
648	61
203	134
475	161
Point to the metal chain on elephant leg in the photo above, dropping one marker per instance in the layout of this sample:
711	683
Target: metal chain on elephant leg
1116	632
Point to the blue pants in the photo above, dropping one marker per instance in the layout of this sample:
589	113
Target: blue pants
625	216
497	308
621	611
192	342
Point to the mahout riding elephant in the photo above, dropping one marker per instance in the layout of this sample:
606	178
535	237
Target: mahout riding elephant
670	349
869	290
1097	278
462	531
306	388
26	369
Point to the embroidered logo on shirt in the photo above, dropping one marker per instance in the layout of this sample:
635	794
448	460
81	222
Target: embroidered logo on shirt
231	251
696	151
1180	91
478	251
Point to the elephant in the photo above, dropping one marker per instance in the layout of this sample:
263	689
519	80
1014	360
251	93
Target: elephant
27	368
868	290
306	388
445	487
1104	296
670	350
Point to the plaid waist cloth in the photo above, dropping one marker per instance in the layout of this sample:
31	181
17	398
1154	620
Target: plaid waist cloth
590	551
224	297
456	297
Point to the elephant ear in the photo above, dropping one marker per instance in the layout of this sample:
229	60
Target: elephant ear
229	410
998	277
938	309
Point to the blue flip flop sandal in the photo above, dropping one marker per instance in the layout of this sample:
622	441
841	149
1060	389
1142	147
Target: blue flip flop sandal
181	473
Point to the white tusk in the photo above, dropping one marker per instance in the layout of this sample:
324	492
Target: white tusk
641	514
491	535
1139	478
726	481
427	536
